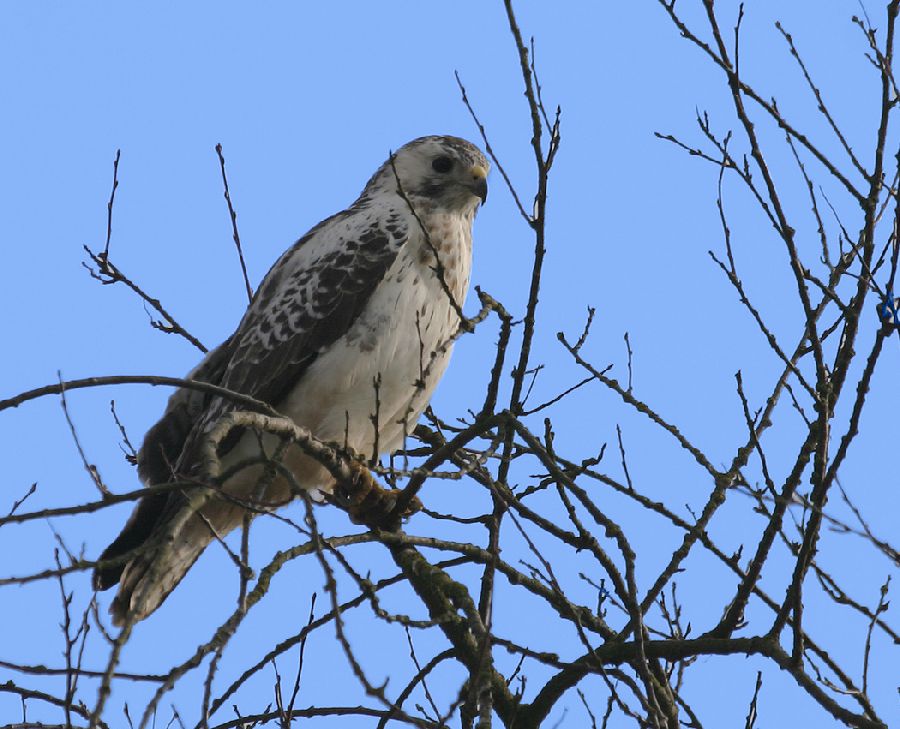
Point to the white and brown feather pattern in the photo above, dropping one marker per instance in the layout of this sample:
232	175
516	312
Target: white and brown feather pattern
357	301
319	291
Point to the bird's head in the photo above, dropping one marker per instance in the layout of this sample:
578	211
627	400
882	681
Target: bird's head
447	172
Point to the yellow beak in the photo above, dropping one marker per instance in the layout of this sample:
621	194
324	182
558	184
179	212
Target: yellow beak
479	182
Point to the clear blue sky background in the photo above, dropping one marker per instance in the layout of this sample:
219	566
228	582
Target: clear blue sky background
307	99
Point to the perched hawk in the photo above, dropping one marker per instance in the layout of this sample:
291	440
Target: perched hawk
356	300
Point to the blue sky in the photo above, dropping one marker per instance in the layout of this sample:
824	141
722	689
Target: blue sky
307	100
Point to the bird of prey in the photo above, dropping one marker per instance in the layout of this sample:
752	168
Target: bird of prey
361	308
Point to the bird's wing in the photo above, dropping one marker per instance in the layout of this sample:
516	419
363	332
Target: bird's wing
310	299
164	441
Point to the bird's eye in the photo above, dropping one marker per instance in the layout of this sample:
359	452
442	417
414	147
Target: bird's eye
442	164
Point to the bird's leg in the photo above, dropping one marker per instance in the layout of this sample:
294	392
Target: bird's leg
371	504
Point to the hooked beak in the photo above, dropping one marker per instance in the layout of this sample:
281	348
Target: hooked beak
479	183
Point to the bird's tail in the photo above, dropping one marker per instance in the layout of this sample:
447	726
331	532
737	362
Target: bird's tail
163	555
134	535
148	579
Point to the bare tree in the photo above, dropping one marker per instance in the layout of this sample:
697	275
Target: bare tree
553	541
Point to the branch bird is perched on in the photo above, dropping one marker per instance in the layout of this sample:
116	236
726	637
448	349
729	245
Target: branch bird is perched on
359	299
